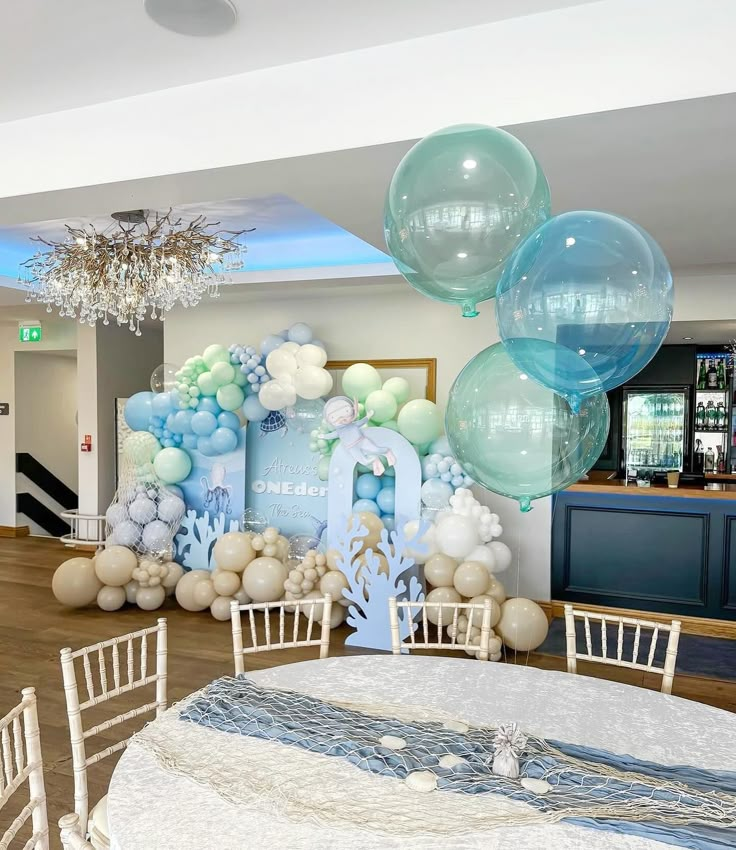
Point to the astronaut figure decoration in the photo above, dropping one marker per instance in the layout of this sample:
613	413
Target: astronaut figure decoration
341	414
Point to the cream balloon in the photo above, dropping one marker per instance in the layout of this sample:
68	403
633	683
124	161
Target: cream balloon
185	589
226	582
496	590
220	607
523	625
483	555
470	579
502	554
439	570
457	536
234	551
150	598
441	594
242	597
75	583
333	559
131	589
204	593
362	562
263	579
173	573
333	582
373	525
495	646
495	609
337	615
114	566
111	598
428	542
319	608
281	362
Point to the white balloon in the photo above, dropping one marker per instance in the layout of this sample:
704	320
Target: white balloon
457	536
309	382
311	355
502	554
272	396
429	541
290	346
327	383
485	556
281	362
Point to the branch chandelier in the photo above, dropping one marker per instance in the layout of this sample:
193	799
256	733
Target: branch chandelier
136	265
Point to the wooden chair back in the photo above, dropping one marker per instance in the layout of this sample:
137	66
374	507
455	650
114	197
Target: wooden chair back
646	664
21	762
307	610
423	631
123	678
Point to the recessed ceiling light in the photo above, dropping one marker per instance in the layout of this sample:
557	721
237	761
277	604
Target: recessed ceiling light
470	163
193	17
462	255
687	337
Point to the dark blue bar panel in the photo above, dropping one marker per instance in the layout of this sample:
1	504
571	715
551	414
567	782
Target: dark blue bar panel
645	552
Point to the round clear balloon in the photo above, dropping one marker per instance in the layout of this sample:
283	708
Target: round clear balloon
459	203
517	437
595	284
164	378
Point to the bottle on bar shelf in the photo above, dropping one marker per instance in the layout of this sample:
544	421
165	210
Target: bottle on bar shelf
721	374
710	416
701	375
700	418
711	377
710	458
698	458
721	460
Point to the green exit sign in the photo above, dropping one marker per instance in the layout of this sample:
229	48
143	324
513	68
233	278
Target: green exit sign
30	333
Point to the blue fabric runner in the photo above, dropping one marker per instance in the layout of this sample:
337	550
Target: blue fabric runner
706	799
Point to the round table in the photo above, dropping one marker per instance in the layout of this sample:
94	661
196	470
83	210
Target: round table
149	807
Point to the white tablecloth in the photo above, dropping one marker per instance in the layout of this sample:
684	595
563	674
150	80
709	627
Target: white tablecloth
151	808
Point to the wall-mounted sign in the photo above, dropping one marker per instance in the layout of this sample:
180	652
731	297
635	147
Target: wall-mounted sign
4	408
30	333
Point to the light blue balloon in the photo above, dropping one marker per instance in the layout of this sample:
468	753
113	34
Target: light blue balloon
156	536
137	411
161	405
157	421
224	440
271	343
386	500
174	490
366	505
189	441
436	494
253	410
203	423
440	446
595	284
142	510
183	422
446	476
207	404
389	522
300	333
168	443
458	481
127	533
205	447
367	486
228	420
171	425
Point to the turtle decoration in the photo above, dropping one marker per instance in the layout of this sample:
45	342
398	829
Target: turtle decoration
275	421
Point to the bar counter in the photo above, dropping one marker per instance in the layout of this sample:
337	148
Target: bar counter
668	550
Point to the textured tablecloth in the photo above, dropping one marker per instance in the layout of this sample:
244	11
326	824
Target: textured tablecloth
151	808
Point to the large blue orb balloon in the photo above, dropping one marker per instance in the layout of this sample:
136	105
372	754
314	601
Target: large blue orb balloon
137	411
459	203
516	437
594	283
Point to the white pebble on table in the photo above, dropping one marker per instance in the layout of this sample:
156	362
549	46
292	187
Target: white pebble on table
392	742
451	761
422	781
536	786
455	726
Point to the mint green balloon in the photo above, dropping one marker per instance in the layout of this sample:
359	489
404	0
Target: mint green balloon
383	405
172	465
420	421
399	389
391	423
360	380
206	384
516	437
222	373
230	397
215	354
459	203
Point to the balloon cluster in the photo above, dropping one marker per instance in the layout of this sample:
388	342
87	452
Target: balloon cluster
313	577
583	302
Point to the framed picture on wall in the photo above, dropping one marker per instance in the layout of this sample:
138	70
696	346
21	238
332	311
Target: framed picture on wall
122	429
420	373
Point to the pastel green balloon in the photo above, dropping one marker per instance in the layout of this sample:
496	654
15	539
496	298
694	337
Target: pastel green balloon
383	405
215	354
141	447
360	380
206	384
172	465
390	423
230	397
517	437
222	373
399	389
241	379
420	421
323	468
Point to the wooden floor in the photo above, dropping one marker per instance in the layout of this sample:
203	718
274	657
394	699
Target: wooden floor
33	627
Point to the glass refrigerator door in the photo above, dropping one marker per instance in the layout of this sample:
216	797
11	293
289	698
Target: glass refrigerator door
655	429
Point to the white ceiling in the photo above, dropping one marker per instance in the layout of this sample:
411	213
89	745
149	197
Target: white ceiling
60	54
701	333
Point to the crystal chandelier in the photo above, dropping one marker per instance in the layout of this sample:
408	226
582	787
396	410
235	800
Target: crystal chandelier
136	265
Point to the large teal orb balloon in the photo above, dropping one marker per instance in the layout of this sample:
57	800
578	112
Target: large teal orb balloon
594	283
459	203
172	465
516	437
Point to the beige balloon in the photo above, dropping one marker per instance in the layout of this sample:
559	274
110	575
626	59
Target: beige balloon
263	579
242	597
494	646
131	589
226	582
150	598
470	579
185	589
114	566
495	609
173	573
441	594
523	625
372	523
234	551
75	583
361	561
306	610
333	582
333	556
439	570
496	590
220	607
204	593
111	598
337	615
